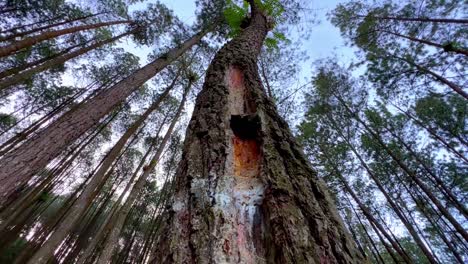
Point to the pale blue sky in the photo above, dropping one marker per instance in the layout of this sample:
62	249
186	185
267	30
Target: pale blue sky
324	41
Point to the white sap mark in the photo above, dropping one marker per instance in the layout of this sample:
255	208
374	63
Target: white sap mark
178	205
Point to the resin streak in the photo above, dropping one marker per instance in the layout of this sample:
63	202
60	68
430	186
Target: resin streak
241	196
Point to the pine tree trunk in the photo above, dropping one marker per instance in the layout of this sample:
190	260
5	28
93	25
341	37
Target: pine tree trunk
91	189
455	87
16	70
28	42
245	192
21	164
24	75
24	33
429	43
122	214
422	19
442	141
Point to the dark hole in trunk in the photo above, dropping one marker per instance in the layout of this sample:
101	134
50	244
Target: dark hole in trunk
245	126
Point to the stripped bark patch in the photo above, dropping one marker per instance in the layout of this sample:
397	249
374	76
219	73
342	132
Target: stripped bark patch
246	157
235	81
240	102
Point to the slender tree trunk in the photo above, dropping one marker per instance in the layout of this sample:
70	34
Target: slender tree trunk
91	189
108	222
373	248
245	192
30	41
439	78
446	48
388	198
432	133
31	24
24	33
421	19
367	212
267	83
24	75
423	208
408	171
438	181
122	214
25	66
20	165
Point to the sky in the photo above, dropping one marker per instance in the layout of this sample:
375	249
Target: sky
324	41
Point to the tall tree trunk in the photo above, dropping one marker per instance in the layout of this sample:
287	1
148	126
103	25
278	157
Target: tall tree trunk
24	33
407	170
107	224
452	198
368	213
373	245
389	199
245	192
421	19
122	214
28	42
91	189
446	144
455	87
24	75
21	26
21	164
446	48
22	67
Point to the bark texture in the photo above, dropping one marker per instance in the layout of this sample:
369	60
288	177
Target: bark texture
244	190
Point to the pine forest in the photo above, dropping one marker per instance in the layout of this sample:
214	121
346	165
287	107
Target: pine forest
233	131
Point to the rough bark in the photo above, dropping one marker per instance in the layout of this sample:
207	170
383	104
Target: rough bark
27	42
245	192
21	164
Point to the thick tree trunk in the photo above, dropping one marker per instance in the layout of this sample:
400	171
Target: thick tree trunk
27	42
245	192
91	190
21	164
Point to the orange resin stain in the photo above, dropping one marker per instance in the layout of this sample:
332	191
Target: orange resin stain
246	157
236	78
